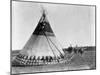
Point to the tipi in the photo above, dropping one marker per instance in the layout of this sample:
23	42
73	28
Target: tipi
42	47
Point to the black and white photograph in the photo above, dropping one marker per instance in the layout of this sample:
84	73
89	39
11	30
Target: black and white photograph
52	37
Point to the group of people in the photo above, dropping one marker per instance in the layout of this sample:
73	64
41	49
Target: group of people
75	50
33	60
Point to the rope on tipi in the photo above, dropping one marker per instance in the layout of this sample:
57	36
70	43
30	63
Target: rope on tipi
49	44
52	43
55	46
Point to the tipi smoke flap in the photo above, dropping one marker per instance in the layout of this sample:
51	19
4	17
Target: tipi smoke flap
41	48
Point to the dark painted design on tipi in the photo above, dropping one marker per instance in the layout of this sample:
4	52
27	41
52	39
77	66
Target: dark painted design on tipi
43	27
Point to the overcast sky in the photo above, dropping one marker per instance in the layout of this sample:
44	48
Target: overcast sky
71	24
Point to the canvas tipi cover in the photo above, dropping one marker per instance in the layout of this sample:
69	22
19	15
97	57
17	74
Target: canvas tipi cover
42	42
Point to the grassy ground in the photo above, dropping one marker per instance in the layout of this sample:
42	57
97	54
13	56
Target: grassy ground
78	62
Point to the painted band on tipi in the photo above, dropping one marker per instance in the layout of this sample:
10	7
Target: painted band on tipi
42	47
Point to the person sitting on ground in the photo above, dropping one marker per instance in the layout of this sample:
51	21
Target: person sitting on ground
81	51
70	49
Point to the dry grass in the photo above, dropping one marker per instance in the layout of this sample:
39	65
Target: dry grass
78	62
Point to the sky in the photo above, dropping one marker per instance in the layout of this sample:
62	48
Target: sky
72	24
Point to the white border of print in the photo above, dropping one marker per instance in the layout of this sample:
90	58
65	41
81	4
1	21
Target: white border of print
5	37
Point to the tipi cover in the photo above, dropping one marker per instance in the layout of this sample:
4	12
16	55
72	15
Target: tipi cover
42	44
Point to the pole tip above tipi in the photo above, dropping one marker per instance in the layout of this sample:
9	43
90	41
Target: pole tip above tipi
43	10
